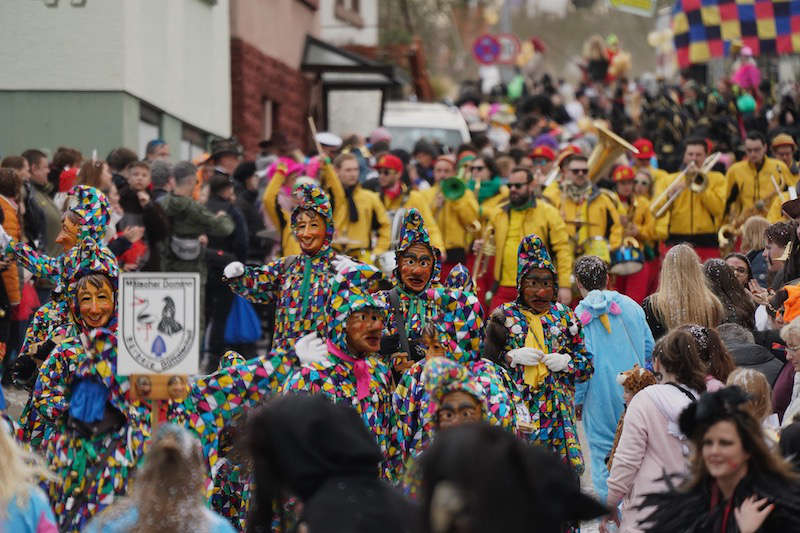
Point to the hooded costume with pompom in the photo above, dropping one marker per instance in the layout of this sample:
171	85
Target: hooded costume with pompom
440	377
300	284
459	277
549	395
618	338
362	381
91	207
460	315
59	320
97	435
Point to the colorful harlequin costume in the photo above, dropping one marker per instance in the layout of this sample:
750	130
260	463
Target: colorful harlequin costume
360	380
97	435
231	491
459	314
91	207
459	277
56	323
550	395
301	283
440	377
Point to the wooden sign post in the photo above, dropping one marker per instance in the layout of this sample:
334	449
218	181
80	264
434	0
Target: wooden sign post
159	343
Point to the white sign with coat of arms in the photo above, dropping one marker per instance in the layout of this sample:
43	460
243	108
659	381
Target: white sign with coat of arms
158	323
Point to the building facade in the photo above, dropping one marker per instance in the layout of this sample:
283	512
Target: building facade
95	74
269	91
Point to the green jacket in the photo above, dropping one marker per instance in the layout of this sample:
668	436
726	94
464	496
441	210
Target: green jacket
189	220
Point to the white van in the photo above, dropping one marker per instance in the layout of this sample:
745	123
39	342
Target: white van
409	122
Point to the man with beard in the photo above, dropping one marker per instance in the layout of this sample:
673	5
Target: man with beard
541	343
522	215
590	213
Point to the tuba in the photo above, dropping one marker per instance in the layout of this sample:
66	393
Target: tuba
609	147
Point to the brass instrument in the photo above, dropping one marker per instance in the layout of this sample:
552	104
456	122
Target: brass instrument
488	249
698	182
609	147
454	187
728	232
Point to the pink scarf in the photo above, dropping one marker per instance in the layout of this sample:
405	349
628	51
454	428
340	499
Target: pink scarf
360	369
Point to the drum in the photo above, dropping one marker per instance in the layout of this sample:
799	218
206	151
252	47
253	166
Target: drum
628	258
595	246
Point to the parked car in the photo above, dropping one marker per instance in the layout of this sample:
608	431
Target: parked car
409	122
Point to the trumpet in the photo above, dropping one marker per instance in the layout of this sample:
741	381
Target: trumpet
697	181
726	236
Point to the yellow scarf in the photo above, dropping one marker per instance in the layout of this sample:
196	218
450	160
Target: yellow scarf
534	375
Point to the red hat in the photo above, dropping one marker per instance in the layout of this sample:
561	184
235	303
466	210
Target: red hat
67	179
622	173
390	161
645	147
570	149
543	151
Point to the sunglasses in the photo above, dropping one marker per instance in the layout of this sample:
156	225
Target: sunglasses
642	182
477	168
579	171
385	171
516	185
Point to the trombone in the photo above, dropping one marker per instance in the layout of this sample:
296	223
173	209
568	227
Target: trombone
698	182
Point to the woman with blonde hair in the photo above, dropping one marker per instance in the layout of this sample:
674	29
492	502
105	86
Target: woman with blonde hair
23	506
755	384
683	297
752	245
168	492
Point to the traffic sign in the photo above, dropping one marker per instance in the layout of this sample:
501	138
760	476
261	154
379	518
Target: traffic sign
509	48
486	49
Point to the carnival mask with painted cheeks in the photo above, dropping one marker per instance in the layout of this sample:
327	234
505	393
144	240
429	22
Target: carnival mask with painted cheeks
457	408
70	227
309	230
364	331
95	300
416	267
538	289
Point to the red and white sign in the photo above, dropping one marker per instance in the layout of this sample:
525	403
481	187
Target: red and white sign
509	48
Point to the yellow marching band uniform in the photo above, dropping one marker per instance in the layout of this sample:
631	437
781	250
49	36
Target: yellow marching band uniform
621	227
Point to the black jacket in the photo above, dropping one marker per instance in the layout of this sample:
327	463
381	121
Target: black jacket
248	203
236	243
758	358
154	220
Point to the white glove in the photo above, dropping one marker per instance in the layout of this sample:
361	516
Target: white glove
5	238
342	262
556	362
311	349
233	270
525	356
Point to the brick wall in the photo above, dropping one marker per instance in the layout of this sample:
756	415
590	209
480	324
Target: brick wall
256	77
